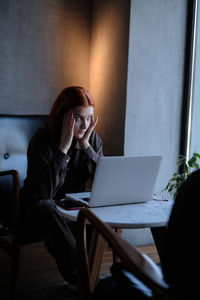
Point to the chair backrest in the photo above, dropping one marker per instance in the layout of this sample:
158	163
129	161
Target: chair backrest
15	134
141	266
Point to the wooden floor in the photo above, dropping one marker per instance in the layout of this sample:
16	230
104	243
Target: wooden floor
38	275
150	250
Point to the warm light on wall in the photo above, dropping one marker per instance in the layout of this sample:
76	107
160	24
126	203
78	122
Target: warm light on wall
71	46
108	70
104	52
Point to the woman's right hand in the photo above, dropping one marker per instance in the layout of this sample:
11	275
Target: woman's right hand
67	132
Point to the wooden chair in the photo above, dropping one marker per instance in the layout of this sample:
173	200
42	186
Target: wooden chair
9	235
15	133
141	266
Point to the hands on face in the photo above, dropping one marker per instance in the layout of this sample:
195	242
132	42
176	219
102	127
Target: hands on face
84	141
67	133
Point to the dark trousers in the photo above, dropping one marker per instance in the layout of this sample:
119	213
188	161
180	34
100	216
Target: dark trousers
43	218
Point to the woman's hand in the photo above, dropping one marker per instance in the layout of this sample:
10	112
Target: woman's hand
67	132
84	141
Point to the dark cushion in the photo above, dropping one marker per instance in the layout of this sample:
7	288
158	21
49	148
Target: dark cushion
122	285
129	282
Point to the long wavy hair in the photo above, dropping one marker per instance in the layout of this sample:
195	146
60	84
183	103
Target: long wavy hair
70	97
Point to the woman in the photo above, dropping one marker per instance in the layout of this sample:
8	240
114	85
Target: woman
62	156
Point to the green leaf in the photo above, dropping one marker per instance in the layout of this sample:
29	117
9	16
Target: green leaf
186	169
180	161
196	155
178	178
192	161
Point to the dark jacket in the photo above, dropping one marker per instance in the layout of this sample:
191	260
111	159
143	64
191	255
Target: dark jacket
181	244
51	173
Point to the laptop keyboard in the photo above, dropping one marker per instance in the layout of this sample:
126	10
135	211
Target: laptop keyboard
85	199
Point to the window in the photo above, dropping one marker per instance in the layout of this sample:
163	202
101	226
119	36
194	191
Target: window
193	138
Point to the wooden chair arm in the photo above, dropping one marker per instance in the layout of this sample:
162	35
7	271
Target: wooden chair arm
15	196
139	264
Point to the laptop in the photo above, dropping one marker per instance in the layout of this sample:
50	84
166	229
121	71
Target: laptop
120	180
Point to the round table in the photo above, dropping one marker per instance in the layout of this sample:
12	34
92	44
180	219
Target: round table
153	213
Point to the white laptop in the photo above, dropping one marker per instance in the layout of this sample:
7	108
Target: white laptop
121	180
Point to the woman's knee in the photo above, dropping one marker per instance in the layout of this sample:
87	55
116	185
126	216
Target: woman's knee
46	208
46	204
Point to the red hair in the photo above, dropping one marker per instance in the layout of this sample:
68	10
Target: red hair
70	97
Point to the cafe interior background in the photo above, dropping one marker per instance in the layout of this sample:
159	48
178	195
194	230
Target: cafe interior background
137	58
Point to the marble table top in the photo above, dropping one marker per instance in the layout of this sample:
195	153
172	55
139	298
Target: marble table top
153	213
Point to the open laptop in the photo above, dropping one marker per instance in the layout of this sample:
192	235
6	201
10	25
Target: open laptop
120	180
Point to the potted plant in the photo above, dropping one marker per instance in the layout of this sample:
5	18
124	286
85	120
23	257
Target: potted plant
186	167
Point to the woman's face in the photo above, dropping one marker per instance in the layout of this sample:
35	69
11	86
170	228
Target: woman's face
83	116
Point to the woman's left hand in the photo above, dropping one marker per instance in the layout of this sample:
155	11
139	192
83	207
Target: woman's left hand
84	141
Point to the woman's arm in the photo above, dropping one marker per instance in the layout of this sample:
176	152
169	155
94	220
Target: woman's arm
93	152
47	167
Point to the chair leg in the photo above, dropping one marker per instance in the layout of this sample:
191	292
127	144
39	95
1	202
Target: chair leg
97	260
158	234
115	258
14	272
